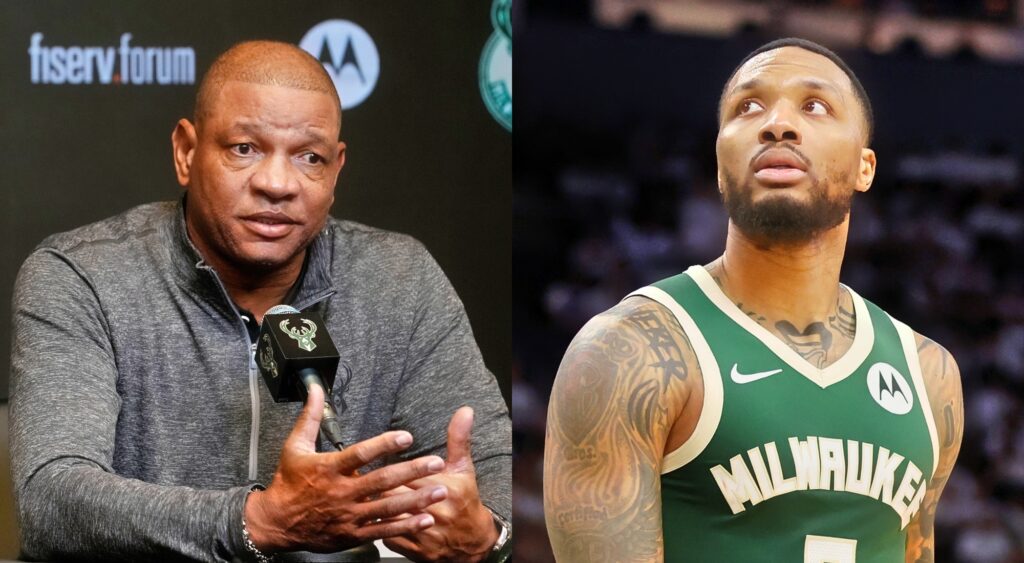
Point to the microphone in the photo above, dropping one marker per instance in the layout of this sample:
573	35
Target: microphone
294	352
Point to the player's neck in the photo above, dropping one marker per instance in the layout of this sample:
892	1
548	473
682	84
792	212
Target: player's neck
799	283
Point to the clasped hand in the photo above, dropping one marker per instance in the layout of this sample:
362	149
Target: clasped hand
425	508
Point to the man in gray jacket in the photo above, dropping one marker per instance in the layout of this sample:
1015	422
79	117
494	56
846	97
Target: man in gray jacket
140	429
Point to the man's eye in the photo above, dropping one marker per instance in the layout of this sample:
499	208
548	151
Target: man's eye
312	158
243	149
816	107
747	106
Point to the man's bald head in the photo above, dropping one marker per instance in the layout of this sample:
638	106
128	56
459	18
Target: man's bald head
264	62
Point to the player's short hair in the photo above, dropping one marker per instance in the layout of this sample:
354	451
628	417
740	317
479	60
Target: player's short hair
858	88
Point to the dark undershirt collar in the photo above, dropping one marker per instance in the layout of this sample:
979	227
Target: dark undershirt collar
250	320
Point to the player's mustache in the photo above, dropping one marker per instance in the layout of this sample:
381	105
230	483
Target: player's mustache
785	146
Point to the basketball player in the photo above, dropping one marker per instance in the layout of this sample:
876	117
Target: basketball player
755	409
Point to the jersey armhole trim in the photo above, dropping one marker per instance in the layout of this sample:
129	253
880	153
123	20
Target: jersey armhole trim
711	411
914	364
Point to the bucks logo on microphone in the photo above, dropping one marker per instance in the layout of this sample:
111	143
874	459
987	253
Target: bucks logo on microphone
266	354
303	336
291	343
496	65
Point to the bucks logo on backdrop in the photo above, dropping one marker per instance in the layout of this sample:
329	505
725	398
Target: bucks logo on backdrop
496	65
349	56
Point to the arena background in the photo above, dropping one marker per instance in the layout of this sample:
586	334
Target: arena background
615	187
425	155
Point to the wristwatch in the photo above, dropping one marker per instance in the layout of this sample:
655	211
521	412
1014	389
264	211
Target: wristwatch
502	550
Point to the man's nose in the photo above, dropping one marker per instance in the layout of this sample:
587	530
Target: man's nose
779	126
273	177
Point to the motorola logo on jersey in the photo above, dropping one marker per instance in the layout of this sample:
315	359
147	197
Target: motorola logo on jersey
349	56
124	63
890	389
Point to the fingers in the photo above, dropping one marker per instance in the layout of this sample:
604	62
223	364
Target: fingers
307	426
362	453
405	503
388	528
399	490
460	455
392	476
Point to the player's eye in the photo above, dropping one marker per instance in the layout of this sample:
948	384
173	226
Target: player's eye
816	107
243	149
748	106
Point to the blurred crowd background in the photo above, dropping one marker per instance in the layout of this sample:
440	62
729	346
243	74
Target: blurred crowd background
615	188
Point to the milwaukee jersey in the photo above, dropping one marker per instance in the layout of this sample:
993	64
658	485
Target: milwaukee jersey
789	462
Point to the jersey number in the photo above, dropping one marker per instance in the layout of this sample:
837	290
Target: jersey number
826	549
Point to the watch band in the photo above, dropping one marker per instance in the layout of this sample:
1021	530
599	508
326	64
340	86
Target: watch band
502	550
254	551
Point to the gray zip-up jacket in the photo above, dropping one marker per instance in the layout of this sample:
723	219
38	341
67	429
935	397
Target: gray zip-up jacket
139	419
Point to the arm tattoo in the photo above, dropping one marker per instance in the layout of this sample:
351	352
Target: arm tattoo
607	424
668	357
942	382
947	423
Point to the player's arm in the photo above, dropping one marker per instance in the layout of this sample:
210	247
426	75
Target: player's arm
942	381
620	387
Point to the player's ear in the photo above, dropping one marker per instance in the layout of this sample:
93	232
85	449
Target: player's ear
866	172
184	140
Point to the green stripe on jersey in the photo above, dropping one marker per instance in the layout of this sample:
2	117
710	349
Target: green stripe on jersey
790	462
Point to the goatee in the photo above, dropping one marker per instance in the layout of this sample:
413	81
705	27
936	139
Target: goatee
784	220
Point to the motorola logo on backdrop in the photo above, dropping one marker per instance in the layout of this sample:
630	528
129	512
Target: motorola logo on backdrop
349	56
125	63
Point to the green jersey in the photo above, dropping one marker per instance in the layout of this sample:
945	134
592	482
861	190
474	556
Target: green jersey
790	462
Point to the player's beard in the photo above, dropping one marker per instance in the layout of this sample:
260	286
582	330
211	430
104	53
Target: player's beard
782	220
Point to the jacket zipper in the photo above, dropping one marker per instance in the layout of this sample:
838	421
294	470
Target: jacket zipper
254	431
254	391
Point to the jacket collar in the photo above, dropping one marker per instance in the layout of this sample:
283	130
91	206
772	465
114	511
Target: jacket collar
315	285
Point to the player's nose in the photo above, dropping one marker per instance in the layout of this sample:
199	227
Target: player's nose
779	125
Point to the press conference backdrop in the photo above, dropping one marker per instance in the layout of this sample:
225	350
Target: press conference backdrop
90	92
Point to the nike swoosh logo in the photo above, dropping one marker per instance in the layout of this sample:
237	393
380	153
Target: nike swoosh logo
748	377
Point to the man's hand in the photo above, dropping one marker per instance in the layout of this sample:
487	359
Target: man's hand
318	502
464	529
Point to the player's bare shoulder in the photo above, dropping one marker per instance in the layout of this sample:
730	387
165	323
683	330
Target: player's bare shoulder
942	382
633	342
633	357
619	391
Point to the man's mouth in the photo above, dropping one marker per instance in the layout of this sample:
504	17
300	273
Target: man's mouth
779	166
270	224
780	175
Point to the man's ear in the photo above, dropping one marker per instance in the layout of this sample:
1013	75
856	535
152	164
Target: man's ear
184	141
866	173
340	160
